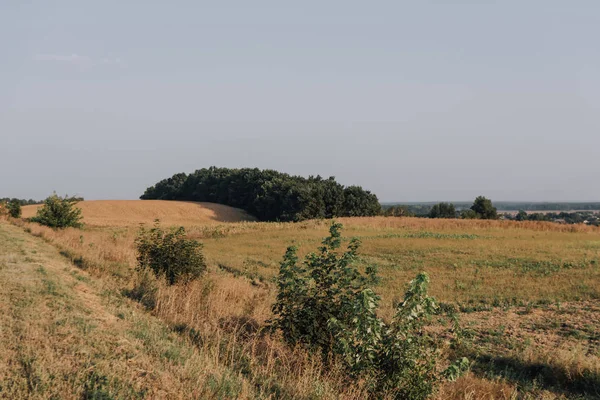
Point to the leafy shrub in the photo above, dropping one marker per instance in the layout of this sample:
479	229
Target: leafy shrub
312	293
59	212
14	208
169	253
325	304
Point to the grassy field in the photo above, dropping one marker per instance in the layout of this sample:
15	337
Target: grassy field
528	292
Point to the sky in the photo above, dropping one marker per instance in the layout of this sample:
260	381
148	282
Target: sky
412	100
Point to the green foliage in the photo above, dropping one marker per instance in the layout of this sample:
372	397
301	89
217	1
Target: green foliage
169	253
469	214
325	304
268	194
14	208
23	202
59	212
521	216
321	288
443	210
484	208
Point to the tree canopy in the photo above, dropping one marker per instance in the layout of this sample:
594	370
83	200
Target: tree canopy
267	194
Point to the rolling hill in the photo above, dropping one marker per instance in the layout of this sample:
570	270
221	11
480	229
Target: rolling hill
134	212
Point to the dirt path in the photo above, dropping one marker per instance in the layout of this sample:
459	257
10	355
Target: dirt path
65	335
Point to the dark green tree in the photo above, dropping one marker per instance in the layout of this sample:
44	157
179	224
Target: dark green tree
484	208
443	210
521	216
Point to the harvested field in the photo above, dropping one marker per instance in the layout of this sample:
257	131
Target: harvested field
135	212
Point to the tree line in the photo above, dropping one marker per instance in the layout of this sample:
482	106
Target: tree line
482	208
423	208
576	217
22	202
267	194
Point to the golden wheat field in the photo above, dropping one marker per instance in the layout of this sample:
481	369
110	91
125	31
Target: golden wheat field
135	212
528	296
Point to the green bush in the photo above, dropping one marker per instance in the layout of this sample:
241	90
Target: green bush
325	304
169	253
312	293
59	212
14	208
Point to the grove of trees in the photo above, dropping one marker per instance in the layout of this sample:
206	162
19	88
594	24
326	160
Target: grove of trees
267	194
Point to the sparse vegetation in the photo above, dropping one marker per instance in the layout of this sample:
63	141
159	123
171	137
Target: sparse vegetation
59	213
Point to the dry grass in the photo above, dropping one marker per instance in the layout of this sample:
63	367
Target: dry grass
66	334
135	212
516	281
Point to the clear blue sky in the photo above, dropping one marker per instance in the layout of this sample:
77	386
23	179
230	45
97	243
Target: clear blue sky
415	101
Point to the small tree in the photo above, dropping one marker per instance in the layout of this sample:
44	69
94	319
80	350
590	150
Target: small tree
522	216
484	208
169	253
443	210
14	208
59	212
